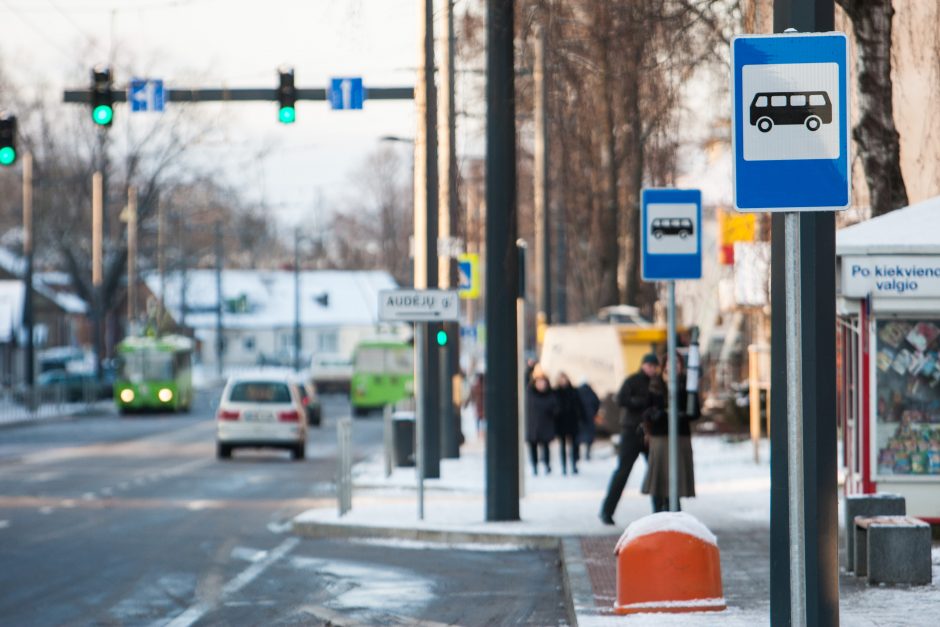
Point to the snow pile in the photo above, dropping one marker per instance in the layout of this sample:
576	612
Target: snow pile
680	522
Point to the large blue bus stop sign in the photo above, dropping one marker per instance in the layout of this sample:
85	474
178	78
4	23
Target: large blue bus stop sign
790	127
671	234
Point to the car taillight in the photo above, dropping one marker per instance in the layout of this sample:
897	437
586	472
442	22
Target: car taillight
288	416
225	414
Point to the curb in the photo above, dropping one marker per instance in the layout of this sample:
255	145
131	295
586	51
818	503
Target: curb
578	590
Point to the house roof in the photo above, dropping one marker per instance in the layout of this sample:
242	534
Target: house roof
328	298
913	230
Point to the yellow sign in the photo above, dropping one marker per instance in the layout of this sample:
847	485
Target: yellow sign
736	227
468	273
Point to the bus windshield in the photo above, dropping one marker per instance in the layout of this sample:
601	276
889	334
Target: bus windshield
393	360
147	366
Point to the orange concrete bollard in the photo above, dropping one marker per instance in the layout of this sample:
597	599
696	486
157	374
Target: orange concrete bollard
668	562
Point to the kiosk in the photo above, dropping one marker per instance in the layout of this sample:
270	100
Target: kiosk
888	305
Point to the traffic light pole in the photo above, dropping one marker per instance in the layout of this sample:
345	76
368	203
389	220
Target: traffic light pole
97	267
243	94
28	317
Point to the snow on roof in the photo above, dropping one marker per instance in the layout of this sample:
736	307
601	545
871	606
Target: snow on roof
913	230
11	308
327	297
680	522
11	262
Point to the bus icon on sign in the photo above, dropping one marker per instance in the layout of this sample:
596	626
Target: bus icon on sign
672	226
811	109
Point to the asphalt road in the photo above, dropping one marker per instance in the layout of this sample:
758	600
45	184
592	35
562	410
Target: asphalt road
132	521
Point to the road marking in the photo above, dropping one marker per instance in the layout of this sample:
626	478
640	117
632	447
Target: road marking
45	510
195	612
4	524
282	527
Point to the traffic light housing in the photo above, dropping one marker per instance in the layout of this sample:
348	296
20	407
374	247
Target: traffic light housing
7	139
286	96
102	104
442	337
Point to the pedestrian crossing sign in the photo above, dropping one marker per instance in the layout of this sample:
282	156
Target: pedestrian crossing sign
468	275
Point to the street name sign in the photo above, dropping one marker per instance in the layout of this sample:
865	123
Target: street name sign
146	94
418	305
671	234
790	126
346	93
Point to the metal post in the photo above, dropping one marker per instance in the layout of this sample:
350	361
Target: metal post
97	220
219	303
131	258
540	175
794	420
501	404
297	338
161	263
28	314
816	282
344	472
673	400
520	360
425	219
181	241
388	439
421	407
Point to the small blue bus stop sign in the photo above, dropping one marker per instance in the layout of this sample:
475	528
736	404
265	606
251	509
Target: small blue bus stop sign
790	122
671	234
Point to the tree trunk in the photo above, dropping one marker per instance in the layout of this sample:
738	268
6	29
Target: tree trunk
877	138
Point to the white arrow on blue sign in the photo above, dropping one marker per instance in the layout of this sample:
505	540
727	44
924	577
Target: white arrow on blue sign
346	93
671	234
790	129
146	94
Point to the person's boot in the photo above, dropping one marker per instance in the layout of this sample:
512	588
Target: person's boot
606	518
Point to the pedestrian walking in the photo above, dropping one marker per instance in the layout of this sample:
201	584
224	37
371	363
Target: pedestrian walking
656	425
590	405
568	421
476	397
633	399
541	414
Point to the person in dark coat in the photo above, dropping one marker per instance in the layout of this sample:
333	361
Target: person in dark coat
634	399
570	417
590	405
656	425
541	416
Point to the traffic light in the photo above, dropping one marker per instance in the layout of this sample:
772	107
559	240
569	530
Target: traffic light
442	338
7	139
286	96
102	105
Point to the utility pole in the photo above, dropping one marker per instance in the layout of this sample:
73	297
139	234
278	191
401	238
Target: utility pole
219	341
181	242
502	434
812	599
97	254
161	264
447	223
297	338
131	259
540	175
28	314
425	223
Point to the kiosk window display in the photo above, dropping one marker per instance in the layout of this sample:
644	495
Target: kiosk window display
907	419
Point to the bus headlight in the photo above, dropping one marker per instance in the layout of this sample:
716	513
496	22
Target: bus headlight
165	395
127	395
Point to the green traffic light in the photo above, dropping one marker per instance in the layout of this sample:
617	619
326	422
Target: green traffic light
103	114
442	338
287	115
7	155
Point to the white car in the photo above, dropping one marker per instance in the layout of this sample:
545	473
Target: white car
261	411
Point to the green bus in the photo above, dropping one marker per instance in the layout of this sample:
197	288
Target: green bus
154	373
383	373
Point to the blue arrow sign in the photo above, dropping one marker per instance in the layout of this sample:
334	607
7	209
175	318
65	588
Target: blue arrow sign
790	131
346	93
671	234
146	94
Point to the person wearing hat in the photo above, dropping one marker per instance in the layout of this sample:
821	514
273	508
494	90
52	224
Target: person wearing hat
635	398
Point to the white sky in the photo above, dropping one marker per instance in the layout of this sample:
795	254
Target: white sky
238	43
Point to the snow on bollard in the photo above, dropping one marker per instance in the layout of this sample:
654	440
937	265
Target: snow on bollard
668	562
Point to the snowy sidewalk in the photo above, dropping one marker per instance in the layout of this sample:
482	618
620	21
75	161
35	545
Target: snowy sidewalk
562	511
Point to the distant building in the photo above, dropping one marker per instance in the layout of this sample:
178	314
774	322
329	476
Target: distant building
337	310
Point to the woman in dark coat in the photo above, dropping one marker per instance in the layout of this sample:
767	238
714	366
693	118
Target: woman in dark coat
656	425
591	405
540	417
570	416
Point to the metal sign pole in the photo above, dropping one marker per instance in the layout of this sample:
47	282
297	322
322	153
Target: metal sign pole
672	358
421	366
795	419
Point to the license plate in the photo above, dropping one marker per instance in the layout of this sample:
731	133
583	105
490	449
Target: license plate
258	416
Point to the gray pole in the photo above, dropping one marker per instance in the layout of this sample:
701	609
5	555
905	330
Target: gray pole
219	303
28	316
520	360
161	263
181	234
421	408
501	408
540	175
815	280
425	220
97	268
672	358
297	338
131	260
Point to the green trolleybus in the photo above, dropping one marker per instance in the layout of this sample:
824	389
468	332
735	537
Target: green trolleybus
154	373
383	373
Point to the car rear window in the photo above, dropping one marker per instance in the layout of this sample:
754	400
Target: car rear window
260	392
